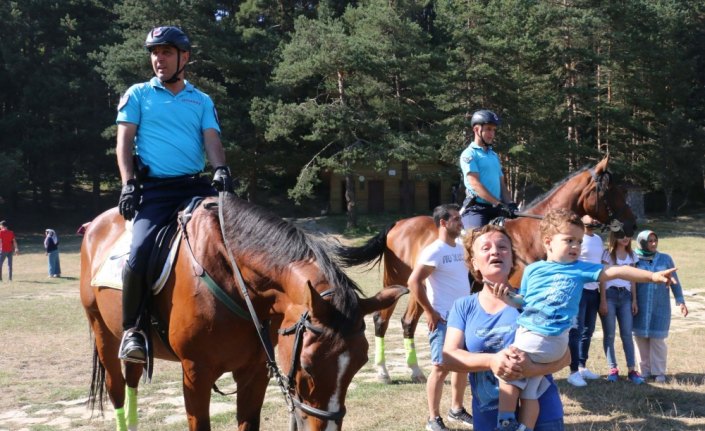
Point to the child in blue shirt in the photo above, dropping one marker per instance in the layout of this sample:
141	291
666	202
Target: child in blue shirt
550	297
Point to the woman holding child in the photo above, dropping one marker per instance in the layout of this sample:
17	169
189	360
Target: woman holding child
481	330
550	296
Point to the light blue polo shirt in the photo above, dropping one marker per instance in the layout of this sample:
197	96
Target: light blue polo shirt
552	292
170	127
486	163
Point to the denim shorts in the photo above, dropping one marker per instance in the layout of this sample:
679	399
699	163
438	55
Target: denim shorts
556	425
436	338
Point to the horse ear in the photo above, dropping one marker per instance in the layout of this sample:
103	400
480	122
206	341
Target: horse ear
311	299
602	166
383	299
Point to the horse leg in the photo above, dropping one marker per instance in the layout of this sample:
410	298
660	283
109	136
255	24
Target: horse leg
133	372
251	389
106	346
381	321
197	384
408	323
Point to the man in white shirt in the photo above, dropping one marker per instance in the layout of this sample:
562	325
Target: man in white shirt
440	276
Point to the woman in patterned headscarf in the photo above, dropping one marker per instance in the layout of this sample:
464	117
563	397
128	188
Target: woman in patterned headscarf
653	320
51	245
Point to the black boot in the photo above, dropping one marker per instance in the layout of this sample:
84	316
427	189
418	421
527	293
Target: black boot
132	347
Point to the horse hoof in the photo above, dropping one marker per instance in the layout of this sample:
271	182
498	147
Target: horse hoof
384	378
418	378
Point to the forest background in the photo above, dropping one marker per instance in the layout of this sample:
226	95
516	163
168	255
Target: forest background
305	87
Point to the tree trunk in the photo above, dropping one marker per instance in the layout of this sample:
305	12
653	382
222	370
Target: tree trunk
95	192
669	200
350	200
405	189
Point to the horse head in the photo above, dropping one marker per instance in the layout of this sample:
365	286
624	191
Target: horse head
606	201
320	348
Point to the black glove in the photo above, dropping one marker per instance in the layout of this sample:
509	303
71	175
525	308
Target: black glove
514	208
505	210
129	199
222	181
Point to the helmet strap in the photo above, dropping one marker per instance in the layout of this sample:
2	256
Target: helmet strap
175	77
482	139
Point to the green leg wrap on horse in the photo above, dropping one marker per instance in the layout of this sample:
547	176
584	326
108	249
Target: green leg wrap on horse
120	423
131	404
410	348
379	350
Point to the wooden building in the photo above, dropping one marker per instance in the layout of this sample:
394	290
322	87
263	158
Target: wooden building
376	192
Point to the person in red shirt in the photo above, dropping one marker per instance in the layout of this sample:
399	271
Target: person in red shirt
8	247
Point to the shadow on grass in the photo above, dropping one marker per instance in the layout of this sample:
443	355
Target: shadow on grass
643	407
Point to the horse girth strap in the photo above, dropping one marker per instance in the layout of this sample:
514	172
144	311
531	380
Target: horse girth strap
223	297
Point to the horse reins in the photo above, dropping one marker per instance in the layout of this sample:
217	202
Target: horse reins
613	224
286	385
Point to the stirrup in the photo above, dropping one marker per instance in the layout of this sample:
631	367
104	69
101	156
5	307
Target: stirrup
127	334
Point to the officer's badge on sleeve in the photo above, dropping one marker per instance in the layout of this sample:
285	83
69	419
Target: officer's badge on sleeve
123	101
466	159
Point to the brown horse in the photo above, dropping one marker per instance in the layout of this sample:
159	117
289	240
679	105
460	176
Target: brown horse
588	191
292	283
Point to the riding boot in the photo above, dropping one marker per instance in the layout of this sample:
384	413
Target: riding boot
132	347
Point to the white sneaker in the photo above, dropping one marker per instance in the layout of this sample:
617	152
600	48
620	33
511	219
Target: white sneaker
576	379
587	374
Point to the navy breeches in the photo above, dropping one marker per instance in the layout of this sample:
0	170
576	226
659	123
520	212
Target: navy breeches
160	198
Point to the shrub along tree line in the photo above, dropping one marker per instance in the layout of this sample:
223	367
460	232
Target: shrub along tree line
307	86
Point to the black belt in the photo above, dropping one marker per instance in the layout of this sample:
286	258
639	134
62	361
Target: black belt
173	179
619	288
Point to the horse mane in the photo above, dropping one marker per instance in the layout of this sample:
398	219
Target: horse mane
556	186
257	232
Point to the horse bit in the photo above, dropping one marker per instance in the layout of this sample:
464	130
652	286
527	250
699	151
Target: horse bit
286	383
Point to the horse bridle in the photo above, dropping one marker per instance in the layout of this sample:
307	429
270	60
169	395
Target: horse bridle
613	222
286	383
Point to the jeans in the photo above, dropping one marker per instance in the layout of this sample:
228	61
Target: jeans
7	255
619	309
54	264
581	336
556	425
436	338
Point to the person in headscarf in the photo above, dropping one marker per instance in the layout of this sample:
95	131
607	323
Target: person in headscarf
51	245
653	319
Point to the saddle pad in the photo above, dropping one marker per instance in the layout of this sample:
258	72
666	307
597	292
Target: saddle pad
110	272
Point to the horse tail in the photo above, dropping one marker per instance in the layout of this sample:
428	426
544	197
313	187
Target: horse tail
97	391
368	254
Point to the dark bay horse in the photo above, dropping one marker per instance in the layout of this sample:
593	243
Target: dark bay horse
310	309
587	191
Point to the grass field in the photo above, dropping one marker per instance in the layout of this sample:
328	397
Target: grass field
46	352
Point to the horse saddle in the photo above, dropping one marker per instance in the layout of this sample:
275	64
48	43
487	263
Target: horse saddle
161	260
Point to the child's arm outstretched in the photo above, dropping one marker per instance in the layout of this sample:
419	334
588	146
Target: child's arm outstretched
638	275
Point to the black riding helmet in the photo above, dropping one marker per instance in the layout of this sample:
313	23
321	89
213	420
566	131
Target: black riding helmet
484	116
167	36
160	36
